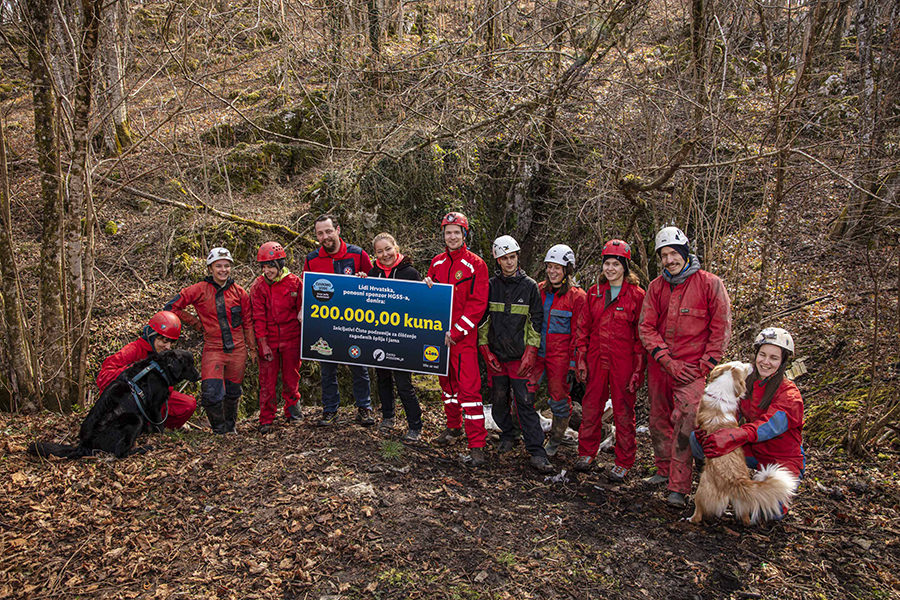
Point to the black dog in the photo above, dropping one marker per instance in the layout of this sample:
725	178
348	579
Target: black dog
129	405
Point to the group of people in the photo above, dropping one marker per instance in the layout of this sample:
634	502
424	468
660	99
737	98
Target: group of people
608	337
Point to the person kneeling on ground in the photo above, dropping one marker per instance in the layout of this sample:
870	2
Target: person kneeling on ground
508	339
159	335
225	317
772	410
391	264
276	297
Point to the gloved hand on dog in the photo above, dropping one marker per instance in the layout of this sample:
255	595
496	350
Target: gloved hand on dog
722	441
490	359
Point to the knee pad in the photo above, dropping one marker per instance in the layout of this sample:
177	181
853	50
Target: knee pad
560	408
232	390
212	391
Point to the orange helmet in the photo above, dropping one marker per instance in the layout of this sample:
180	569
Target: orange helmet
166	324
270	251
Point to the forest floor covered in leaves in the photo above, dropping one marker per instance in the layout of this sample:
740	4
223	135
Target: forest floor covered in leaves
325	514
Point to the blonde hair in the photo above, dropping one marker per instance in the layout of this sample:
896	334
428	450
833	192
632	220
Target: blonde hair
388	237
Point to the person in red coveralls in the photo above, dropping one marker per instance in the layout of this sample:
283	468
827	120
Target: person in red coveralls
225	317
275	297
685	326
611	359
461	389
562	301
336	256
772	412
159	335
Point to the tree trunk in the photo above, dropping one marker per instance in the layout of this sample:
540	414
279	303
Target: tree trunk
23	386
375	27
52	317
117	134
79	189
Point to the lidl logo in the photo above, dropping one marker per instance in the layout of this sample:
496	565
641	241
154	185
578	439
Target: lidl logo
431	354
355	352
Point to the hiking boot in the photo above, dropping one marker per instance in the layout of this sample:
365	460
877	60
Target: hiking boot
657	479
677	500
506	446
541	464
386	424
557	433
230	412
447	436
294	414
365	417
584	464
617	474
475	458
328	419
412	435
216	417
264	428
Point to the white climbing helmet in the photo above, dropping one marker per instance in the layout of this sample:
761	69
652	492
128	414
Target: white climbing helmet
670	236
219	254
505	244
560	254
775	336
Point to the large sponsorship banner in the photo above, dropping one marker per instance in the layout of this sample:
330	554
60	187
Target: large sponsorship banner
389	323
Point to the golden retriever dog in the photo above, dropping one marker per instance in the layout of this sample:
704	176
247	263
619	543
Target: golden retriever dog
726	479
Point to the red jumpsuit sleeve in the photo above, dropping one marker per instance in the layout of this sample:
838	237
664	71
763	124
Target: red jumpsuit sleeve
639	299
785	412
719	322
365	263
115	364
247	321
584	321
648	333
186	297
258	303
476	304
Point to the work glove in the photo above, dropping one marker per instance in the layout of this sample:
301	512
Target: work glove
490	359
251	352
705	367
689	373
722	441
527	363
265	351
582	371
637	378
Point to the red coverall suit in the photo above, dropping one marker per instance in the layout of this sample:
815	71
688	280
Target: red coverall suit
690	323
556	355
462	387
226	320
608	338
776	434
275	308
181	406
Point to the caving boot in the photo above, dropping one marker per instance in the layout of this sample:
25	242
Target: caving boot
506	445
656	480
541	464
216	416
557	433
230	412
475	458
677	500
295	414
446	437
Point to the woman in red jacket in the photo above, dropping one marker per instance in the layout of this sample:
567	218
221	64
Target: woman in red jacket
611	359
772	411
226	320
276	296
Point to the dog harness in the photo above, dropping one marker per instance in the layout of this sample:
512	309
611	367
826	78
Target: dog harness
138	394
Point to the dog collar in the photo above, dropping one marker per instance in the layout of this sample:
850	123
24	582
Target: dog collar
138	394
153	365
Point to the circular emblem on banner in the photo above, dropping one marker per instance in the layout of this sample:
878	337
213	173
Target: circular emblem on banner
378	355
322	290
354	352
458	275
348	270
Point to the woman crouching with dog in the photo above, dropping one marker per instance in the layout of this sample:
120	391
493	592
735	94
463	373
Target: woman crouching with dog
772	410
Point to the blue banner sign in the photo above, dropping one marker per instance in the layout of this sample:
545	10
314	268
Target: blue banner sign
375	322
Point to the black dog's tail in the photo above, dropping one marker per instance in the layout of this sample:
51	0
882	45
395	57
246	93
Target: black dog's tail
45	449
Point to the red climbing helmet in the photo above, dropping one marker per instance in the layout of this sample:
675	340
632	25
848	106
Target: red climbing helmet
617	248
456	218
270	251
166	324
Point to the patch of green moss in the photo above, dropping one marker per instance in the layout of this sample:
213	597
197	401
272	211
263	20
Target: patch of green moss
111	228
